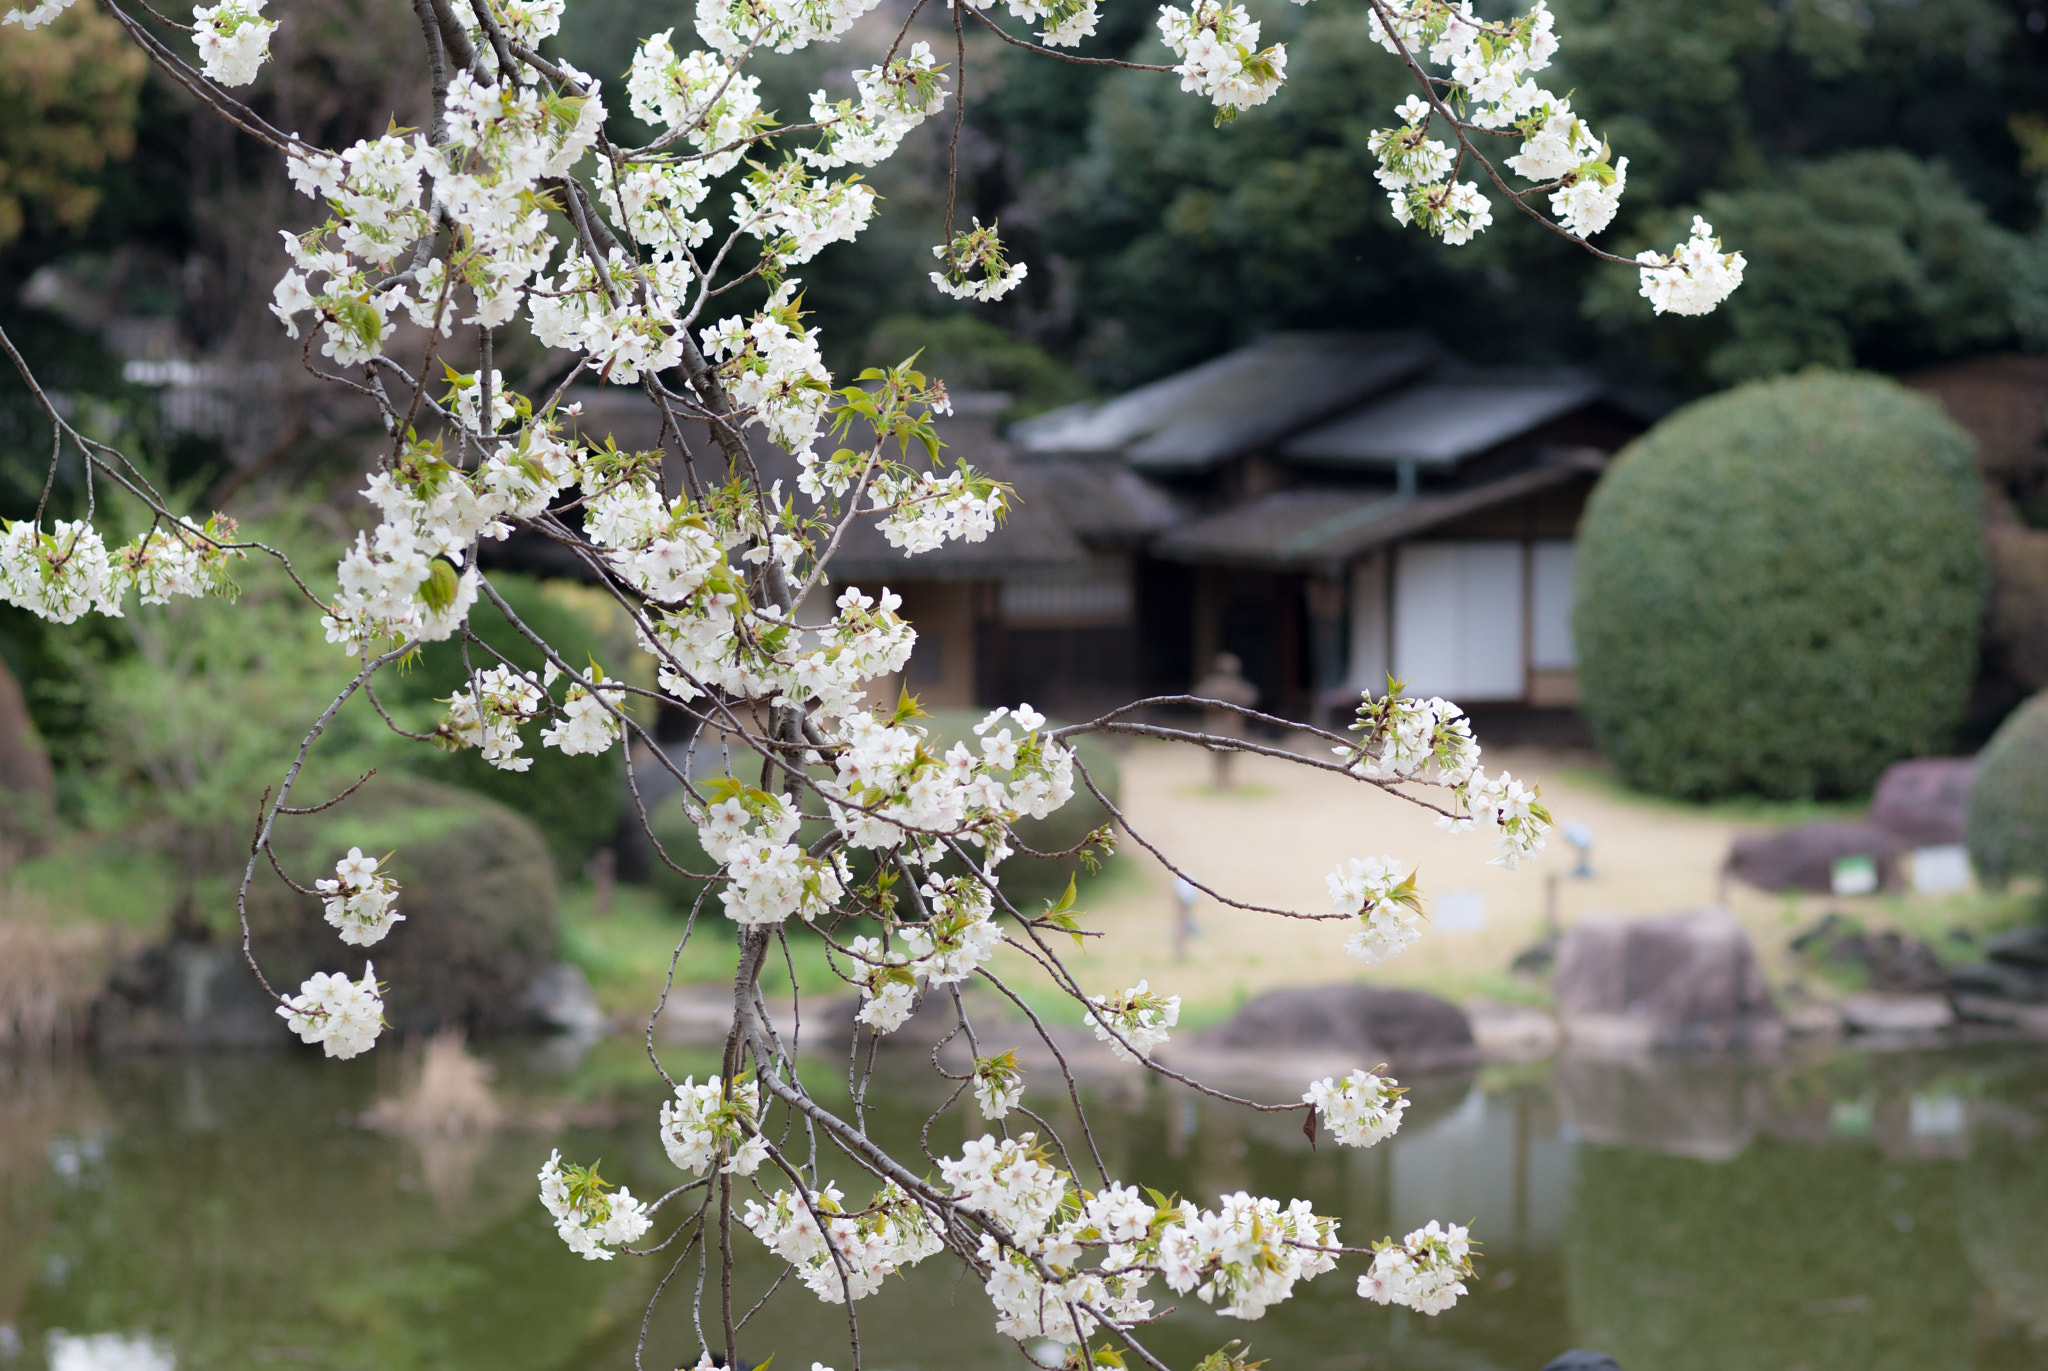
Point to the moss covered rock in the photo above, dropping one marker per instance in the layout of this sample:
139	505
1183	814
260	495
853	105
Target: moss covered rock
1779	590
477	889
2008	826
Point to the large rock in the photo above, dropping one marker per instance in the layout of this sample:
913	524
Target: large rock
1361	1023
1804	858
1685	982
2014	969
1892	962
1924	802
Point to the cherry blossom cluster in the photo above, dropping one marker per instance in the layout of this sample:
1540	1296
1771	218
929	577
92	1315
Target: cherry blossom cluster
488	715
1694	277
502	139
924	510
894	99
413	577
343	1016
1248	1253
66	572
44	13
1489	79
393	587
998	1085
977	251
360	900
1516	812
1244	1256
887	985
525	22
701	94
179	559
1423	1271
590	1221
734	26
748	832
1490	88
957	936
232	41
1220	57
772	367
1406	739
797	215
589	722
1379	892
1134	1020
891	787
1430	741
1066	22
709	1123
1036	1281
1415	171
893	1232
1361	1110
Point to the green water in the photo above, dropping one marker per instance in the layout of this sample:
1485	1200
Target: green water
1859	1212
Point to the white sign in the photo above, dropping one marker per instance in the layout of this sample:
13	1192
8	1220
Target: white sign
1942	870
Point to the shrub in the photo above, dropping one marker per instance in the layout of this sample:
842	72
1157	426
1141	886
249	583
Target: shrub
1779	588
477	891
2008	824
574	801
1026	881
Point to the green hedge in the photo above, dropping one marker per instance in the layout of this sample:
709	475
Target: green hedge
2008	824
1779	590
1027	881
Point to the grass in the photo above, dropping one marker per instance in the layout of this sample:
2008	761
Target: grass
626	954
1735	808
93	880
1955	925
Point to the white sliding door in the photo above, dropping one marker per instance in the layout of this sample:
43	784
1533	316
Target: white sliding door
1369	660
1458	620
1550	607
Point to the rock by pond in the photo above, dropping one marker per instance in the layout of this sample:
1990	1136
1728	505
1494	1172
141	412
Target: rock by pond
1361	1023
1804	858
1685	982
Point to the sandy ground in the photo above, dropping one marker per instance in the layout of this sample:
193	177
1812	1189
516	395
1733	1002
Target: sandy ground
1274	837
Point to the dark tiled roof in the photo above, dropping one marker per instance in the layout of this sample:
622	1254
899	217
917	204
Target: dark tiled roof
1444	419
1036	538
1319	529
1102	500
1041	535
1234	404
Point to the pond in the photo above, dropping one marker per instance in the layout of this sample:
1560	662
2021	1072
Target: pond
1843	1212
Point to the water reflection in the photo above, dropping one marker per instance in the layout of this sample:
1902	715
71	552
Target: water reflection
1849	1213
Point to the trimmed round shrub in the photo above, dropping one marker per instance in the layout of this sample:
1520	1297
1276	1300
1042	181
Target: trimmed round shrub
1779	590
477	889
1026	881
2008	824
